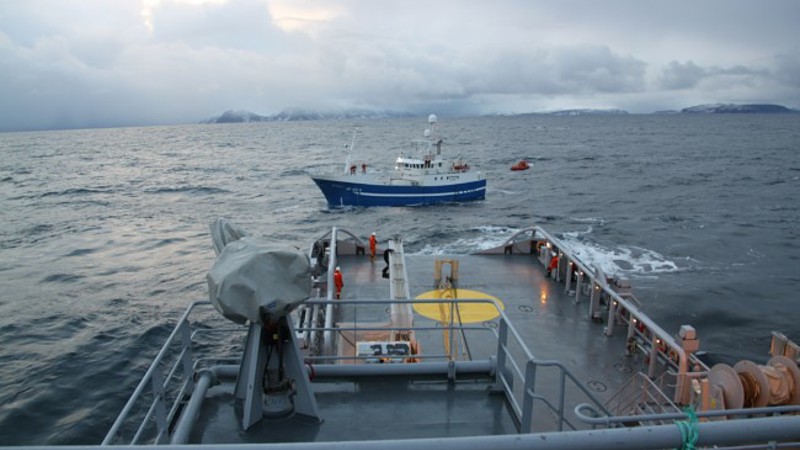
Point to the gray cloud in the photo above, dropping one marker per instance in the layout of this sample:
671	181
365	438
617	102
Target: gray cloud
737	83
681	76
92	62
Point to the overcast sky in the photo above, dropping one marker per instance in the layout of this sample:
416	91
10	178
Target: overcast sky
85	63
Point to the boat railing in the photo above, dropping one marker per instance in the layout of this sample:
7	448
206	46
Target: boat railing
524	379
155	406
203	341
661	348
641	396
169	379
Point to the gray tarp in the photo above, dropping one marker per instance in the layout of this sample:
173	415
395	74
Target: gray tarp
223	232
253	280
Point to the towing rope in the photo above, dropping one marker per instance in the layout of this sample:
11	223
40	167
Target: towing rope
688	429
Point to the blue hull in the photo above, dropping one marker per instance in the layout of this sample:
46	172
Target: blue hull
339	193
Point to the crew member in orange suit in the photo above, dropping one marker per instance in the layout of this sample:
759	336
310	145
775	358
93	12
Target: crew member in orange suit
553	263
338	282
373	245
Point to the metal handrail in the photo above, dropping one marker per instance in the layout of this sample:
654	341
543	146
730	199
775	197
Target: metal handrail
505	334
633	307
595	419
146	379
509	357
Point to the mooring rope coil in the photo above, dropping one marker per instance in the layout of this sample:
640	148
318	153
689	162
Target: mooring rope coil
689	433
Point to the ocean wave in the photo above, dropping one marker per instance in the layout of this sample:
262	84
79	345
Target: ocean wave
78	191
620	260
577	233
195	190
493	229
490	236
293	173
81	252
62	278
594	220
285	209
502	191
163	243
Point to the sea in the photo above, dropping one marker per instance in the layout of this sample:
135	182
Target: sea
104	237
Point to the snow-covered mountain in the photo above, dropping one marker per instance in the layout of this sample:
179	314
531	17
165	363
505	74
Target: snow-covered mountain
731	108
589	112
240	116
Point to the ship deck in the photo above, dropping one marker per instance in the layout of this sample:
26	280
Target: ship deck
503	355
550	322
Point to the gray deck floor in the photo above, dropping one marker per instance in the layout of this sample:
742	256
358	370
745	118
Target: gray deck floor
551	324
367	410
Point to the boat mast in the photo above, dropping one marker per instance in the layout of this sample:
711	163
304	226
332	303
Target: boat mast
350	152
433	133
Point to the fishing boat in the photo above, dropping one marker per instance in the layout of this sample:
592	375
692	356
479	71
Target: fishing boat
421	176
486	350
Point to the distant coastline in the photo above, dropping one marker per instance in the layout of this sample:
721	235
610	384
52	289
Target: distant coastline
291	115
716	108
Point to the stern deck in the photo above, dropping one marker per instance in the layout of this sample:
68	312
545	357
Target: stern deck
510	372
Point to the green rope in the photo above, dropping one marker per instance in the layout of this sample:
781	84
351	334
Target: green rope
688	429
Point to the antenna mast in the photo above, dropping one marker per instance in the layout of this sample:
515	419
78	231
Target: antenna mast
350	152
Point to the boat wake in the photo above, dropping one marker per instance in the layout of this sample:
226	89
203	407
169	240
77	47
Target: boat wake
488	237
623	260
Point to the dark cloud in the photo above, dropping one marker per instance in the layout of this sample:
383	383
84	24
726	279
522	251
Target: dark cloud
684	76
591	69
94	62
681	75
787	69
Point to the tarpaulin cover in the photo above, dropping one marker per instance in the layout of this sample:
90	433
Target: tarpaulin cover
223	232
256	281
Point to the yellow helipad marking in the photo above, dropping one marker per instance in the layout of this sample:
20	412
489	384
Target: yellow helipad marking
469	312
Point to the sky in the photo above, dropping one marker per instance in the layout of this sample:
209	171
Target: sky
100	63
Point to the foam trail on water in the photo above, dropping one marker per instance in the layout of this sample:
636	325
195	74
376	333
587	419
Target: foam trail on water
622	260
488	237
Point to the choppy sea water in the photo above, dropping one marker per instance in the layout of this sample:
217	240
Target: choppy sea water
104	236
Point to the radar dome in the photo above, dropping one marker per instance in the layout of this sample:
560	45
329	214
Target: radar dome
432	118
427	133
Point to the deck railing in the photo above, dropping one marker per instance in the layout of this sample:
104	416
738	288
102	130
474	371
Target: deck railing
661	348
157	397
165	387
